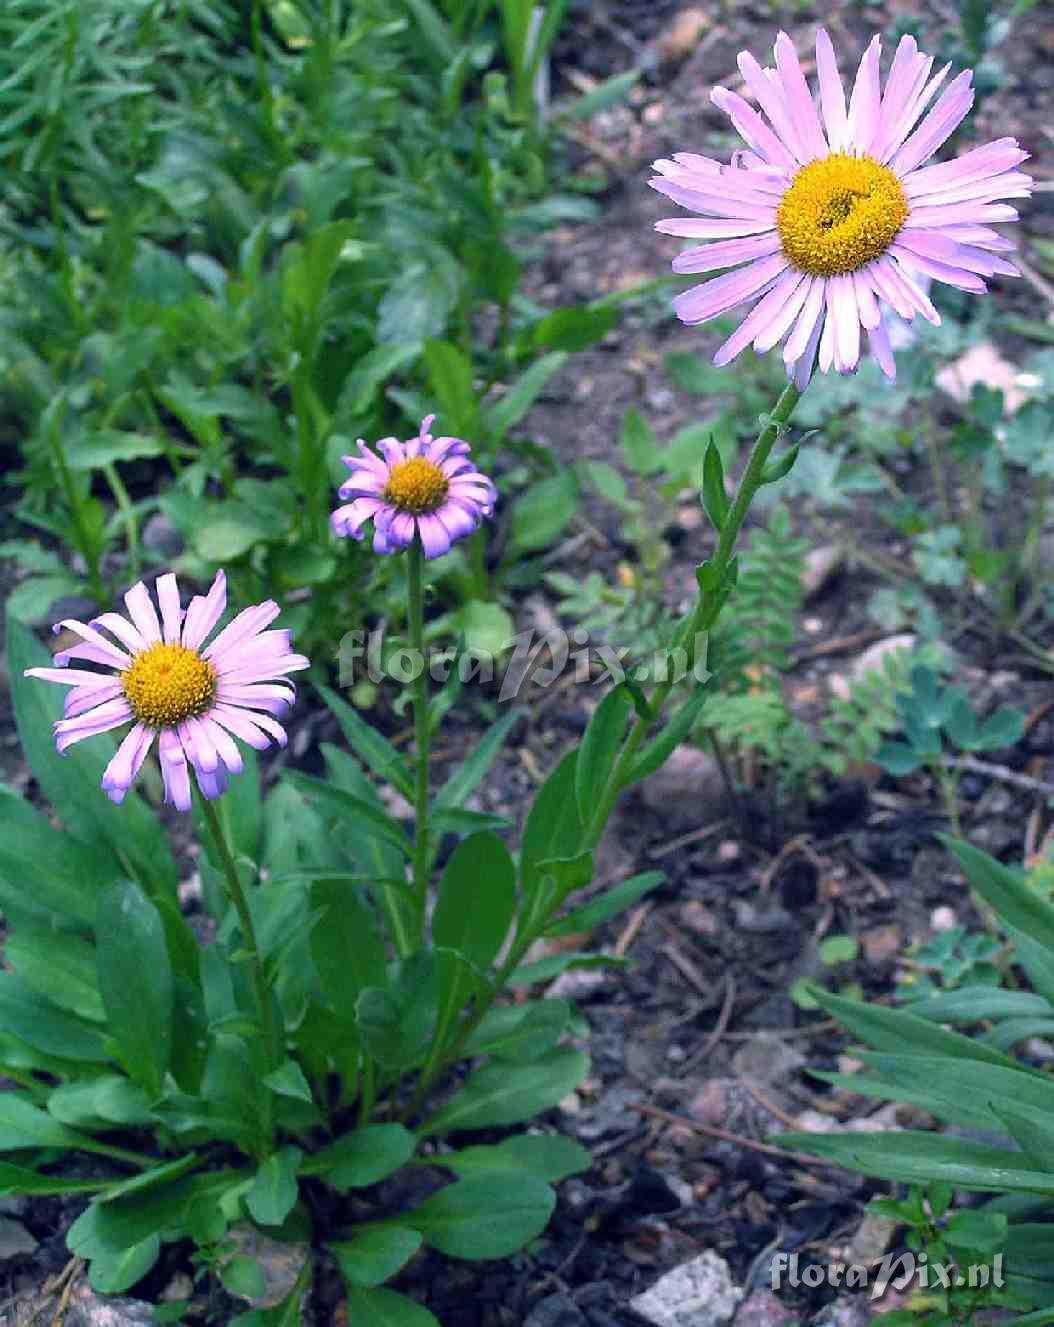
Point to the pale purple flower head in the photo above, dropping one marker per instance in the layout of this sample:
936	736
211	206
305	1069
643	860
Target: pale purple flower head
194	698
424	487
829	215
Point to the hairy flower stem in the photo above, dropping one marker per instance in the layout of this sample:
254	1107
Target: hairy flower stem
264	1006
422	733
708	606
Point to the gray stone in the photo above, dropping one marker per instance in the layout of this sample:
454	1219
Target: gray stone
688	791
699	1293
556	1311
162	537
763	1309
822	565
767	1060
844	1312
15	1239
87	1309
281	1263
871	1240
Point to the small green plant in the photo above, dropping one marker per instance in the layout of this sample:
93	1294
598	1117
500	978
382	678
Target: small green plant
921	1054
933	715
834	952
956	957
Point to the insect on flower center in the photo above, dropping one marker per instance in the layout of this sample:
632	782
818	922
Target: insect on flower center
416	486
167	684
839	213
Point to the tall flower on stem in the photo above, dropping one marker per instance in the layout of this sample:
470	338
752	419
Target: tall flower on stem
192	698
829	212
423	496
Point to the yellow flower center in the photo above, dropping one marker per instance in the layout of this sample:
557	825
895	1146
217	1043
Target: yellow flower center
167	684
416	486
839	213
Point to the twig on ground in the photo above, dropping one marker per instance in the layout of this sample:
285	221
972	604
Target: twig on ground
684	840
719	1029
712	1131
1002	774
637	918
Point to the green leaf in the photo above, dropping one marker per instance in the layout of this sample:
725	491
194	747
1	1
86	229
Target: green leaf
23	1125
897	758
477	899
386	1308
98	1103
471	772
135	981
486	628
923	1158
1015	901
606	905
58	966
574	329
71	783
356	812
542	514
45	1027
1003	728
523	393
274	1191
839	949
608	93
639	444
554	828
599	749
974	1004
244	1277
372	371
484	1216
372	747
520	1032
112	1273
346	946
715	499
674	732
18	1180
94	450
233	531
362	1158
980	1232
376	1253
288	1081
548	1157
396	1023
451	377
506	1094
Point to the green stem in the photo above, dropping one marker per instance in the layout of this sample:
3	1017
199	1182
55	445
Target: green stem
127	510
707	609
415	603
264	1007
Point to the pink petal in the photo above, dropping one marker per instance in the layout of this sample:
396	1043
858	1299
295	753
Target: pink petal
102	650
143	613
917	101
809	318
878	342
435	539
204	613
832	93
121	771
902	83
867	305
200	751
826	355
979	163
249	622
86	698
951	276
241	725
865	101
122	629
710	201
961	214
701	303
801	370
730	253
901	291
772	100
764	313
223	743
349	520
752	128
99	720
261	696
167	592
70	677
799	100
941	122
842	311
174	770
781	324
232	718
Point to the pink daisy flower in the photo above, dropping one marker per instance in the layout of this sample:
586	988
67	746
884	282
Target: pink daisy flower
829	213
194	698
425	487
